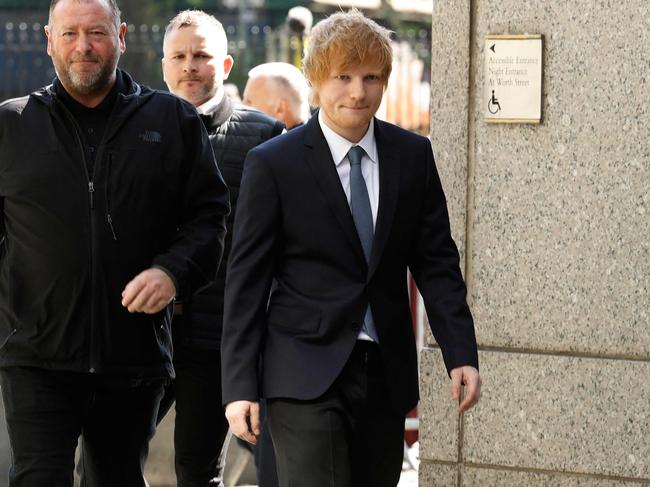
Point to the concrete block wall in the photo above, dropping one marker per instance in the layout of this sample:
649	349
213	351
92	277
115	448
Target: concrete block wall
553	222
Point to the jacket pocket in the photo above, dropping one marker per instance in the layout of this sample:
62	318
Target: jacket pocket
294	319
109	187
160	323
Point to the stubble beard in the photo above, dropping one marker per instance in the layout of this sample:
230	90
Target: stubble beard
87	83
204	92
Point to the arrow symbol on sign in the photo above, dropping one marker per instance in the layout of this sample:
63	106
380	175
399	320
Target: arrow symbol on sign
492	48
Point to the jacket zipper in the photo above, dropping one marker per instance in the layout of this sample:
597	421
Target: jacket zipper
109	218
91	190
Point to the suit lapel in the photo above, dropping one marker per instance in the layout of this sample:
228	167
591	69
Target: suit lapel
389	179
319	159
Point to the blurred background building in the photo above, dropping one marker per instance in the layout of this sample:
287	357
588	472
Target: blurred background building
258	31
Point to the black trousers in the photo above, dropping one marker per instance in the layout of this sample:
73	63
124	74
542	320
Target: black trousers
201	426
46	412
349	436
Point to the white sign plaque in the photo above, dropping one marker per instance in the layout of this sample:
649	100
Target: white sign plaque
512	90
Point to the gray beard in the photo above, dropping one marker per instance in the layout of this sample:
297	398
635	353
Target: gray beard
86	84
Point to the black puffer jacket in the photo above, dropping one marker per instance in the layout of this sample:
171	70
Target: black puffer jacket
233	131
73	240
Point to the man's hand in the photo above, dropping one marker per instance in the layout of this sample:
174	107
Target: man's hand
244	420
469	377
148	292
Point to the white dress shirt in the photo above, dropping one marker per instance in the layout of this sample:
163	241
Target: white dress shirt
339	147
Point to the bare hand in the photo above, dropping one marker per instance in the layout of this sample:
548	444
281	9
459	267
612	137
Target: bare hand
470	378
148	292
244	420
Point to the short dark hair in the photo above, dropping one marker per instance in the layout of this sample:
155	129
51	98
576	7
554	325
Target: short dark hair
112	4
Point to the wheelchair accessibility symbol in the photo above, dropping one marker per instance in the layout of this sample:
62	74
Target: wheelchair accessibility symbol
493	104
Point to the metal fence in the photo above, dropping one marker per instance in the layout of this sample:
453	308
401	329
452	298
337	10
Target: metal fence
24	63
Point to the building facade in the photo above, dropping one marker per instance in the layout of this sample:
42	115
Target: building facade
554	228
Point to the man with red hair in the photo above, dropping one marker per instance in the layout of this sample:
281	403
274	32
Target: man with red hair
336	212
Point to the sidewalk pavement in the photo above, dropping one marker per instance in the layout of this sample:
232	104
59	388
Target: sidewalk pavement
409	478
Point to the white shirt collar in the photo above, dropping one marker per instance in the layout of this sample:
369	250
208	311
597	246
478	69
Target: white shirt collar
209	106
339	146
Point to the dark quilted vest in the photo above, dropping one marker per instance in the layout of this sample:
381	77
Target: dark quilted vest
233	131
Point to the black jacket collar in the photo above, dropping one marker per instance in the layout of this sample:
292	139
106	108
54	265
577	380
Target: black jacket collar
129	98
128	91
105	107
219	115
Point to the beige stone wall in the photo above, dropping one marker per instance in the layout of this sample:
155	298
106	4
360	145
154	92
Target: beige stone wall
554	225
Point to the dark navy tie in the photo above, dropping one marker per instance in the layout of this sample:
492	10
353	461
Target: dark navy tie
362	216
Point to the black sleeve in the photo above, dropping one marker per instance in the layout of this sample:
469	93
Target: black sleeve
434	264
250	273
194	255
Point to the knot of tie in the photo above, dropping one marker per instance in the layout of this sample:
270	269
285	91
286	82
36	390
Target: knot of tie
355	154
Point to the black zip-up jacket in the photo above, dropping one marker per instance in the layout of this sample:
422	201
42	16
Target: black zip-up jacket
233	131
73	240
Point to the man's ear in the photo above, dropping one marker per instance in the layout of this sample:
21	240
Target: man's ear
122	37
228	63
281	109
48	34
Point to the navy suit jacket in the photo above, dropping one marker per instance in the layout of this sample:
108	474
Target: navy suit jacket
294	225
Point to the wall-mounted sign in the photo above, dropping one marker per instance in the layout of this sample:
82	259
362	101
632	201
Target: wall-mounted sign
512	91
